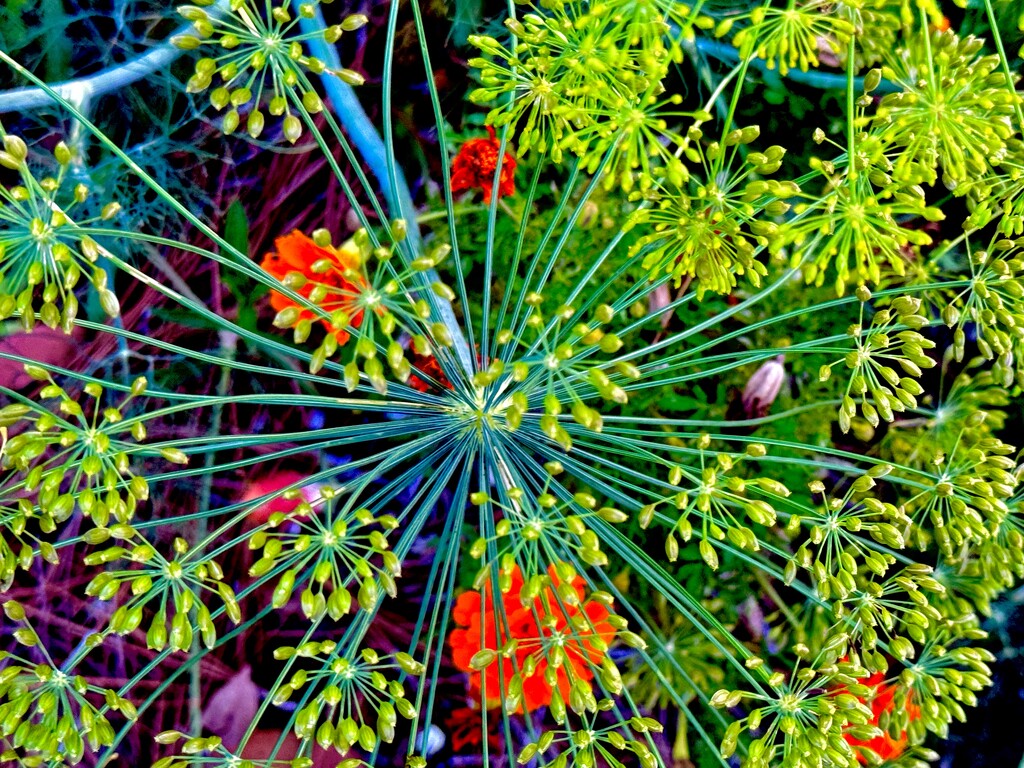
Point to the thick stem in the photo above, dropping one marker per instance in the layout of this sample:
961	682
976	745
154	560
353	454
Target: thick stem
374	152
108	81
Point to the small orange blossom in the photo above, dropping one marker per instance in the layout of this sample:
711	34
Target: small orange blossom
428	366
296	252
883	699
474	167
574	629
466	729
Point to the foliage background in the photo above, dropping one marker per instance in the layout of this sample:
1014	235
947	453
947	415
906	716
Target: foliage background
252	191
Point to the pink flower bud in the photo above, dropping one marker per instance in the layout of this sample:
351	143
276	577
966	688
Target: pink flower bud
278	481
763	387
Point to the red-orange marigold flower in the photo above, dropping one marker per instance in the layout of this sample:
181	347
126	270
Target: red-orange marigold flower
474	166
882	700
428	366
298	253
573	628
466	729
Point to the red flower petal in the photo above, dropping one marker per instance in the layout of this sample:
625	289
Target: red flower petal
297	252
475	165
476	629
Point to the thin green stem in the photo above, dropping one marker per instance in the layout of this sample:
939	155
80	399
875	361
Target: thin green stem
1004	62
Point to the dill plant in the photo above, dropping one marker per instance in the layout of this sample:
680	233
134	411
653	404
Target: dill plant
518	401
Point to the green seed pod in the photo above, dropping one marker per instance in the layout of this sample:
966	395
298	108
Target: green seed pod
230	123
708	554
350	77
220	98
311	101
15	152
367	738
174	455
283	590
872	79
367	596
354	22
255	123
186	42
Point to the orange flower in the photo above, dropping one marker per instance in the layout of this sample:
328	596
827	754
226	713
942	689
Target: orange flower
298	253
572	628
466	729
427	365
882	700
475	164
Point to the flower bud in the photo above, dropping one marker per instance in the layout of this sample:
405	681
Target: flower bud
186	42
354	22
16	148
763	387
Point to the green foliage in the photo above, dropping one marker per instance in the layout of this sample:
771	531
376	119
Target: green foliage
609	452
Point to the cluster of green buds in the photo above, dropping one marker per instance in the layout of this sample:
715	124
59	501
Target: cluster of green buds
792	36
410	294
992	302
955	108
74	455
173	589
198	751
869	188
249	43
568	63
708	226
800	721
42	248
340	691
376	301
557	363
914	443
896	612
19	543
632	143
203	750
967	497
723	502
48	717
815	712
323	551
1000	195
853	227
837	547
877	25
593	742
945	677
882	390
999	559
531	527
